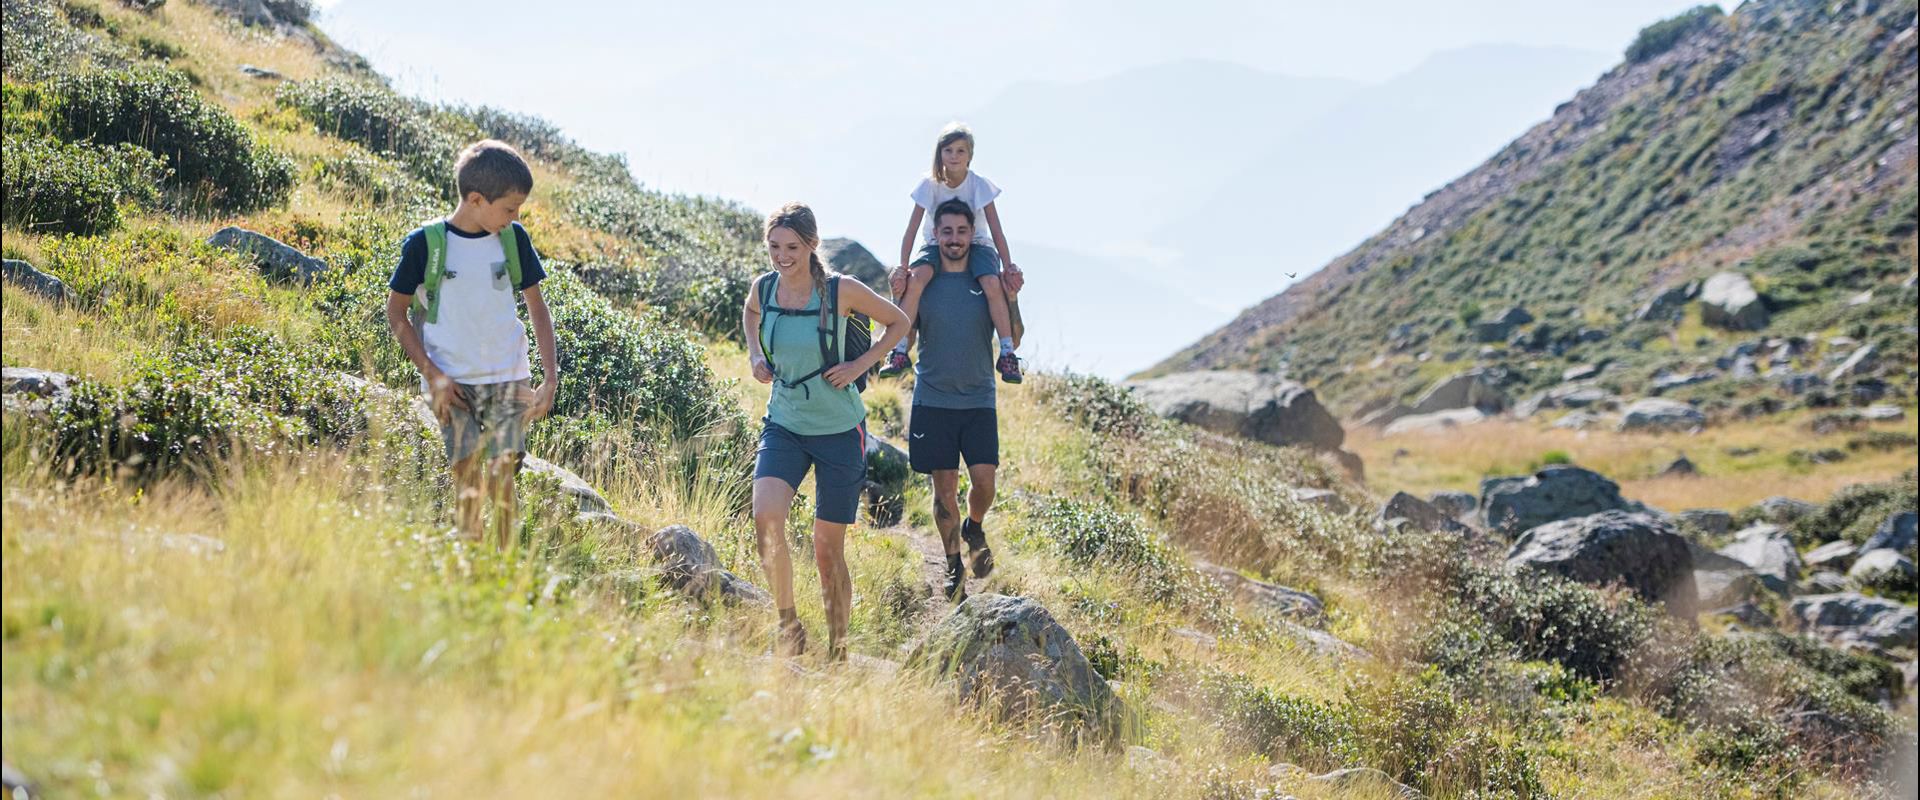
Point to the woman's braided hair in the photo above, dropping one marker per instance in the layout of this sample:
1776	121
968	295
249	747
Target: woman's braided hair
798	217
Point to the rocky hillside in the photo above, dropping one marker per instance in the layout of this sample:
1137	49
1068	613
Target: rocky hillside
1740	186
228	572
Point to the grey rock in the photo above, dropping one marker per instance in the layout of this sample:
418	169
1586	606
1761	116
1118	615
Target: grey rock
1745	613
1009	655
1349	462
1836	554
1783	510
30	278
1669	304
15	782
262	73
1679	379
1383	416
852	258
1457	505
1725	585
1580	421
1680	467
1269	598
1580	373
1326	500
1854	620
1857	363
690	566
1883	413
1260	407
1514	504
1636	550
276	260
1654	414
1883	570
1474	388
36	383
1896	533
1728	300
1366	781
1422	514
583	493
1710	521
1825	581
1769	551
1436	421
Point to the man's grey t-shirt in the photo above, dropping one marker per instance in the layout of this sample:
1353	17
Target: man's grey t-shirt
955	368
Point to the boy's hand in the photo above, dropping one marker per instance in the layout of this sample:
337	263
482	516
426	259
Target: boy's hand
762	371
444	396
1012	278
897	281
542	402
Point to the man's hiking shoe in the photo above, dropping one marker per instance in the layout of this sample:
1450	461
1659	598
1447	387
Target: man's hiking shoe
978	552
1009	367
897	364
956	588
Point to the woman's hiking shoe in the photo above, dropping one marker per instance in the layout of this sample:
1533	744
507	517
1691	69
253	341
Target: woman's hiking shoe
1009	367
978	551
791	641
956	588
897	364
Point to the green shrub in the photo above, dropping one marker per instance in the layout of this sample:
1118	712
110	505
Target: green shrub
701	253
373	116
1855	511
203	402
54	186
373	180
41	40
215	160
1543	617
1100	405
1095	535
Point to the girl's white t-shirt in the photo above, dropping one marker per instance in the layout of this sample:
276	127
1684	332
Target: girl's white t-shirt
975	190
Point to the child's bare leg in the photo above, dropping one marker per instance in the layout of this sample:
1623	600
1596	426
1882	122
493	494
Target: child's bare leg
917	278
997	308
500	495
468	496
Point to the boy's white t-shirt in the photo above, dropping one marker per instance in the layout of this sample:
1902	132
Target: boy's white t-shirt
479	338
975	190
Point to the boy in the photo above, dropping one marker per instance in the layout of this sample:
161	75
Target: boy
463	333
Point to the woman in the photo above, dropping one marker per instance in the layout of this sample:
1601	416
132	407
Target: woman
814	415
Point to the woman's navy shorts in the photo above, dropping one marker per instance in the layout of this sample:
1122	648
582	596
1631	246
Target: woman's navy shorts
839	461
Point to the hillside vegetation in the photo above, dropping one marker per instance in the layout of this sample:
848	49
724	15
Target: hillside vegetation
226	572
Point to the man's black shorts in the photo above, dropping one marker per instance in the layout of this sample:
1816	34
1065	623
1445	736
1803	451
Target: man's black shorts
937	438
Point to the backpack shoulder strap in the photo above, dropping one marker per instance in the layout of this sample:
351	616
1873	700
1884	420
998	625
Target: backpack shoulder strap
832	345
510	242
764	287
436	234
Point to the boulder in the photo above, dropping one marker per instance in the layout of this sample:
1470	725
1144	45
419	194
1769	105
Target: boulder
1858	362
1679	467
1009	655
1833	555
1782	510
689	565
1580	421
1514	504
35	391
1474	388
1710	521
1883	413
1728	300
1726	586
1383	416
1436	421
1636	550
1420	513
1882	570
1769	551
1854	620
1676	380
1269	598
1326	500
1580	373
262	73
275	259
1498	327
1655	414
583	493
852	258
1896	533
30	278
1457	505
1825	581
1669	304
1261	407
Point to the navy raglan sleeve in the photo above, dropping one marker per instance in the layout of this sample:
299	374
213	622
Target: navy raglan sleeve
531	272
412	270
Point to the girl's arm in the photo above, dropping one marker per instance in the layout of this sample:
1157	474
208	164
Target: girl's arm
1012	279
856	297
898	278
750	330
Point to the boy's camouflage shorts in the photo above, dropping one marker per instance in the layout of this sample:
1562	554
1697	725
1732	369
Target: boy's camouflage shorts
493	423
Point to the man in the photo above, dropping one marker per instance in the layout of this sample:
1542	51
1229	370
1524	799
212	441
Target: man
953	414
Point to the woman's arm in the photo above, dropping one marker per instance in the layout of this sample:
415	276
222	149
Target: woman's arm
1012	280
750	330
856	297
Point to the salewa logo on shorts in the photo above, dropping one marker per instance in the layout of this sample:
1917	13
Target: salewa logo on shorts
919	436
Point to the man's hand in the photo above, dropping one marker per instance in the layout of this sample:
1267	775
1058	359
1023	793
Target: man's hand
1012	279
444	396
762	371
542	402
897	281
843	374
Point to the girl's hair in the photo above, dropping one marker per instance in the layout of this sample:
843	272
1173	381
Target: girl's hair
954	132
797	217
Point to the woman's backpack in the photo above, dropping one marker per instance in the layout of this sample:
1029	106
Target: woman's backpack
859	330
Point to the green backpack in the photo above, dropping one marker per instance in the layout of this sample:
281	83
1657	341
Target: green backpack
426	301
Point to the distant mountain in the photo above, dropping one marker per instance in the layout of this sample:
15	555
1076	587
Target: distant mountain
1778	142
1314	188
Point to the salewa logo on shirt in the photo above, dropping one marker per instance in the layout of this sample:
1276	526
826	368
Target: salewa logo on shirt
977	292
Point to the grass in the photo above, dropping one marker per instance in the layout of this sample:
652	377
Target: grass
1422	463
